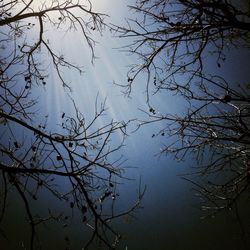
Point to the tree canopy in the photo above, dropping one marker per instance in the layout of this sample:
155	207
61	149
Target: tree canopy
181	47
37	157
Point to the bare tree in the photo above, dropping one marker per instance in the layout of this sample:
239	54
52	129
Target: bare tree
173	40
215	129
35	158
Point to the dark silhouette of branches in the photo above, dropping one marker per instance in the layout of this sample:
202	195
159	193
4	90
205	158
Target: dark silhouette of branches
174	41
78	162
19	19
216	130
82	155
172	38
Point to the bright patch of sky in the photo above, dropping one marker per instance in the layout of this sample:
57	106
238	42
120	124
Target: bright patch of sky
109	66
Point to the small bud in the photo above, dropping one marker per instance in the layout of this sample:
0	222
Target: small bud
59	157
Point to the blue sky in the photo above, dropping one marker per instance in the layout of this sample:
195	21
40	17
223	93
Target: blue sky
170	210
166	193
